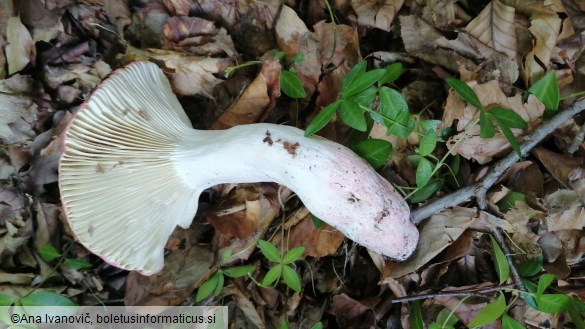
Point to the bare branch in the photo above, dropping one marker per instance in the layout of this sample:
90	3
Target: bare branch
480	188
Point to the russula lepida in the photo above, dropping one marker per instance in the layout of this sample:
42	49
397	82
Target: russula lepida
133	168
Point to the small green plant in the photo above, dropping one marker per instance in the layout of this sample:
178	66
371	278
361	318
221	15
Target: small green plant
44	297
359	89
536	297
281	268
215	283
504	118
49	253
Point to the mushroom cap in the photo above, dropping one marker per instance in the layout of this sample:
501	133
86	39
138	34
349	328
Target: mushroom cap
116	168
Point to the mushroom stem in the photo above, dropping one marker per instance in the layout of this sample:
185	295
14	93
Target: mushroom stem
133	168
332	182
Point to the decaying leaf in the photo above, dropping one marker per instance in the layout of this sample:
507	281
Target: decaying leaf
20	49
436	233
318	242
184	271
545	29
377	13
494	26
259	97
17	111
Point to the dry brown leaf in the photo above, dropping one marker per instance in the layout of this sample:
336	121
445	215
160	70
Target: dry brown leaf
246	306
494	27
376	13
257	207
16	109
318	242
357	313
440	12
198	36
259	97
545	29
118	12
184	271
489	94
576	12
339	46
290	29
20	49
558	165
436	234
424	41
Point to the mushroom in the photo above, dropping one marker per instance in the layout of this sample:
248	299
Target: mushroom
133	167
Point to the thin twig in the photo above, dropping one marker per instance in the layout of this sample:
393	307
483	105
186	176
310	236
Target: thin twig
475	293
502	243
480	188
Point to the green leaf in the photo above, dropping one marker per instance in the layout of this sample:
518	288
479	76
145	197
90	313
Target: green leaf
428	191
392	102
510	137
269	251
573	310
291	85
531	267
401	126
78	264
528	297
360	83
416	318
45	298
49	252
6	300
291	278
427	143
393	113
272	275
322	118
547	91
553	303
490	313
293	255
366	97
424	171
391	73
318	222
299	58
508	118
543	282
226	255
447	318
487	128
317	325
509	323
509	201
502	266
352	115
220	283
238	271
375	151
207	288
465	92
356	71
